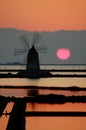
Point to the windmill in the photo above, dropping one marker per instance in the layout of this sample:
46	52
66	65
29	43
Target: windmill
31	50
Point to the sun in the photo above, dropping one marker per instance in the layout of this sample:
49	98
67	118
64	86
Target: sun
63	53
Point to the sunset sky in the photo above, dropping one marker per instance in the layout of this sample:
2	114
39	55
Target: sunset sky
43	15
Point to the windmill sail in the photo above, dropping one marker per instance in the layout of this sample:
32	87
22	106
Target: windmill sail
32	57
19	51
25	41
36	38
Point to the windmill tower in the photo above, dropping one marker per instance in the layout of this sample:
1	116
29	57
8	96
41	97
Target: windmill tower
32	56
32	60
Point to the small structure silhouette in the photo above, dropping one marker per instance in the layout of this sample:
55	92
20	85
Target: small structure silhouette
3	103
32	58
17	116
33	92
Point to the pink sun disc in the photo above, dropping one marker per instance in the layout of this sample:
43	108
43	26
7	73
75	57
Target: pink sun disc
63	53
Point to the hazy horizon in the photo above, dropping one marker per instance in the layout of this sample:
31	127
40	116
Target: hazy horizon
75	41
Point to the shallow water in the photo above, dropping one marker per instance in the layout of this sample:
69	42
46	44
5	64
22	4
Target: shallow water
25	92
55	82
37	123
47	123
51	82
56	123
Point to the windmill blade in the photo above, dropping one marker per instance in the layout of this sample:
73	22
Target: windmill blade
42	48
26	39
20	51
36	38
24	61
23	39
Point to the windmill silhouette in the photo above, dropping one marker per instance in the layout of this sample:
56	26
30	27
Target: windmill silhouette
31	50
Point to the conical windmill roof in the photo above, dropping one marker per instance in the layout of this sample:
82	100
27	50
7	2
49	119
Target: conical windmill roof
33	50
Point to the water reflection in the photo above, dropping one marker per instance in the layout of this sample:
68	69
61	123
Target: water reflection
4	119
45	123
56	123
56	107
28	92
49	122
13	92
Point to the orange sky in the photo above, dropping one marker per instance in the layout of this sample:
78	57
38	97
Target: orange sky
42	15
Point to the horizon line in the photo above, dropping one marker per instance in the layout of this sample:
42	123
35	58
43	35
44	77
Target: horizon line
43	30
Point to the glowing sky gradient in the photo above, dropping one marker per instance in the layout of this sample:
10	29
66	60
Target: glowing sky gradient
43	15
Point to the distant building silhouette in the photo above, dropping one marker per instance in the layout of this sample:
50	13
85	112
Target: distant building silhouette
32	60
32	57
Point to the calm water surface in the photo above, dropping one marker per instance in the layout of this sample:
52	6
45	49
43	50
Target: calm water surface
47	123
61	123
56	82
51	82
